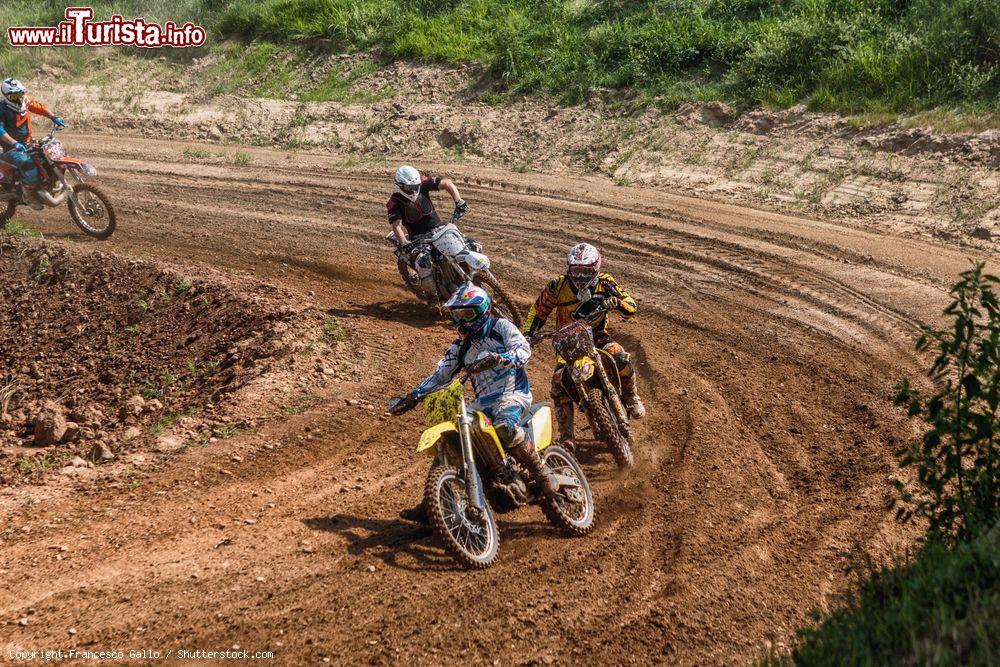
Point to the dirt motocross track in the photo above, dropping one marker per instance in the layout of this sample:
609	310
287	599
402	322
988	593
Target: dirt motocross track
767	346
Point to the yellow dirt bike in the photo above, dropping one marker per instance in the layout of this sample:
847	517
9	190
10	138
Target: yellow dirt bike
594	387
472	477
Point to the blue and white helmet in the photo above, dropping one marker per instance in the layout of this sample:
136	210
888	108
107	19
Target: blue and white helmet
13	95
470	308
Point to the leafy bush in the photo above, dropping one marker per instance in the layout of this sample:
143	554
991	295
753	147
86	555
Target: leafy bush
443	405
958	459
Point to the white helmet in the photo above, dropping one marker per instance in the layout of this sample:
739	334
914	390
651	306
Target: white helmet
408	182
583	266
13	95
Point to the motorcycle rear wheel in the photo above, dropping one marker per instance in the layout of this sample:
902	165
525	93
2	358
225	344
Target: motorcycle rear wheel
606	428
503	303
96	208
472	541
573	514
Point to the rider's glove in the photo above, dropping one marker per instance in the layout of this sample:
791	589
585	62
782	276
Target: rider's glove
59	121
506	360
19	147
612	303
402	404
461	208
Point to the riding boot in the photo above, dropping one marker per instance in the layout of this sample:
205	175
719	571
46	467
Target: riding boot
565	412
524	453
630	391
28	197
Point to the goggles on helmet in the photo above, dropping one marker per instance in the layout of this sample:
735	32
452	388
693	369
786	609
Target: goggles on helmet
459	315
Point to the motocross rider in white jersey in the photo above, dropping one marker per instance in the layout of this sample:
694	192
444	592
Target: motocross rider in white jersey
502	392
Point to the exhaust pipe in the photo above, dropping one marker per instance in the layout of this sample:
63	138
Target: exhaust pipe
51	200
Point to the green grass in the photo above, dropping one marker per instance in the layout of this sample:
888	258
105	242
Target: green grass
333	330
20	228
941	608
849	55
859	56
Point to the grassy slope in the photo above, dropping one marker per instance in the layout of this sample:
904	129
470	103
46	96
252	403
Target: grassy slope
942	608
871	56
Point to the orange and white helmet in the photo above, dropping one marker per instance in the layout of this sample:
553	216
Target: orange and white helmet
583	266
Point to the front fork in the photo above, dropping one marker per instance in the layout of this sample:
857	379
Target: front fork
70	192
469	471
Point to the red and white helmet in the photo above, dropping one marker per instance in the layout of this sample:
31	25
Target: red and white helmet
583	266
13	95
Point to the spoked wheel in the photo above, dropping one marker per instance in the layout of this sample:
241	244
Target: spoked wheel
571	509
472	540
7	212
606	429
95	215
503	303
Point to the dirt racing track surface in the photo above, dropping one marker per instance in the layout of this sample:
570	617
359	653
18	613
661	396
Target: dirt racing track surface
768	347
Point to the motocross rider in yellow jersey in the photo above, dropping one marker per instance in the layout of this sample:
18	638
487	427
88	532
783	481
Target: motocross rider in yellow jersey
582	282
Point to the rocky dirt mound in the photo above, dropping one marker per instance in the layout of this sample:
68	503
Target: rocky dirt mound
103	354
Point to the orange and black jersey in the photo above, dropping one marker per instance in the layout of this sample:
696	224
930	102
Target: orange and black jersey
418	217
18	124
559	296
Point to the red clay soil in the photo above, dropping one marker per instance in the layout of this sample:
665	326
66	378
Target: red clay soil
767	345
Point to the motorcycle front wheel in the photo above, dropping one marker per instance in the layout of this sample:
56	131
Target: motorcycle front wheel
571	510
605	427
474	541
95	215
409	276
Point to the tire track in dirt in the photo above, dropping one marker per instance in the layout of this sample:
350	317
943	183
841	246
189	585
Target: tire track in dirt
766	358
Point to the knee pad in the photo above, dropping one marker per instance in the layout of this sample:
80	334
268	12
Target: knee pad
623	360
29	176
509	433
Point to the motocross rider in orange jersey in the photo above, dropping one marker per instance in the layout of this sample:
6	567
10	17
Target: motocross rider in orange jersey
15	132
583	280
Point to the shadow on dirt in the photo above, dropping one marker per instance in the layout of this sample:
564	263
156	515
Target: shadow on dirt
387	539
410	313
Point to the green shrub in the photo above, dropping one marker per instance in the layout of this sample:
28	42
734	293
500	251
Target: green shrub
958	459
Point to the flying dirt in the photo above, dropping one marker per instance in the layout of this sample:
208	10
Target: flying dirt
767	349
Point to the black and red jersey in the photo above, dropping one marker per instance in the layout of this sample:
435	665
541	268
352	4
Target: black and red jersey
419	216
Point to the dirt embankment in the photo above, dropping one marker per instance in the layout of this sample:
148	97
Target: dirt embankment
911	181
106	356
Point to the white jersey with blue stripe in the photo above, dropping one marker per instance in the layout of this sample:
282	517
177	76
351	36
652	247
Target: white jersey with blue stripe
510	384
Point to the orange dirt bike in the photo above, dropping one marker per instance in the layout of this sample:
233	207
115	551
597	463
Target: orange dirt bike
457	259
472	477
89	207
590	377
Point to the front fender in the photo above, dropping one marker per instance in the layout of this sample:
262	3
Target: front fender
476	261
76	165
430	438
